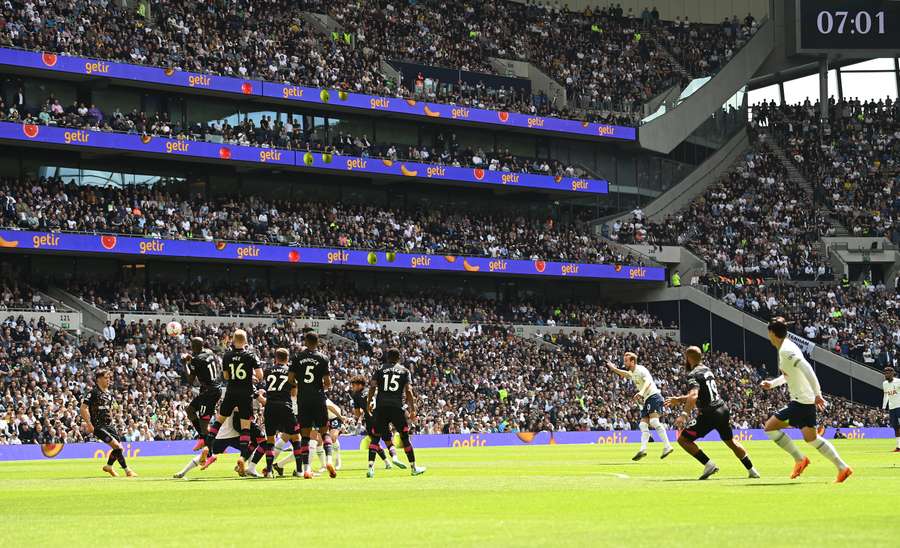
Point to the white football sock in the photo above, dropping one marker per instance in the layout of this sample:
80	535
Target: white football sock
287	458
898	442
661	432
786	443
336	451
645	435
194	462
828	451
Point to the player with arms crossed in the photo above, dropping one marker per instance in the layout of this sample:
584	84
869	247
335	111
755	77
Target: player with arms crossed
712	414
310	369
205	369
800	412
391	383
241	370
361	411
651	398
95	410
892	401
279	413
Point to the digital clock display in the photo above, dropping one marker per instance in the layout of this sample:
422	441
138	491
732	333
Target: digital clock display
852	26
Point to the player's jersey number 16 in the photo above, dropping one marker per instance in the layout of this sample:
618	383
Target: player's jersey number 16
237	371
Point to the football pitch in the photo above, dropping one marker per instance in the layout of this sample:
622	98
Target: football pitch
589	495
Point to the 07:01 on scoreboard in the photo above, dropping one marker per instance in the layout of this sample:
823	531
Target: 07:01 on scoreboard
848	26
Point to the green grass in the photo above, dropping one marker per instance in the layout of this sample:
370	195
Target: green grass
540	495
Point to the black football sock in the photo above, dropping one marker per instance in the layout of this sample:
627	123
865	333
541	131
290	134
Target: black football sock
259	451
270	456
113	456
211	430
121	458
701	456
407	446
304	453
298	455
326	443
244	443
373	449
746	462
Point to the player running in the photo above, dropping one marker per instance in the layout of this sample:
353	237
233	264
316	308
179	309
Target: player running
95	410
241	370
204	368
651	398
800	412
279	414
392	383
310	369
361	410
891	401
712	414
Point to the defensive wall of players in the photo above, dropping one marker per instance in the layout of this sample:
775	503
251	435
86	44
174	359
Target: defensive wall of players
423	441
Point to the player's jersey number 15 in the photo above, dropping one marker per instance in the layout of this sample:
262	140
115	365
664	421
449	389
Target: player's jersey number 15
391	382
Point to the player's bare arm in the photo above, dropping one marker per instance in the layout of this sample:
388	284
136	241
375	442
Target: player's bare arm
326	382
86	415
612	367
411	402
370	397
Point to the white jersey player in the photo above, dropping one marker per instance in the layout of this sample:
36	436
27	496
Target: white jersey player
227	436
651	400
891	401
800	412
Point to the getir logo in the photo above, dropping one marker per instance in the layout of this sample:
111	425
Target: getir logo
436	171
379	102
422	261
292	91
613	439
338	257
357	163
637	273
580	184
177	146
509	178
269	156
199	81
247	251
97	67
45	240
76	137
473	441
606	130
535	122
459	113
129	453
497	266
153	246
569	269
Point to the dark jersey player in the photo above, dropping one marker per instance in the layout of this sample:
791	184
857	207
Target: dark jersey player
712	414
240	369
95	410
391	384
204	369
361	411
310	370
279	414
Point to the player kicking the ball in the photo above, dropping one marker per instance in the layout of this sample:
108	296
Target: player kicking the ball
712	414
651	398
806	397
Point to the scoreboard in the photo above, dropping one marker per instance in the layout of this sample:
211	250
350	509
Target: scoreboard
851	27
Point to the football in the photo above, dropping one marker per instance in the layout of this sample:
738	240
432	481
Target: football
173	329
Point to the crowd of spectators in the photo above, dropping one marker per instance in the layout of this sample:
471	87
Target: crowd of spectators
18	296
861	322
852	158
283	134
169	211
343	302
478	379
609	61
753	222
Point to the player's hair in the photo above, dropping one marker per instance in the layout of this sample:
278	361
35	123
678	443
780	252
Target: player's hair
358	379
196	345
891	367
392	355
311	338
281	355
631	355
240	338
693	352
100	373
778	326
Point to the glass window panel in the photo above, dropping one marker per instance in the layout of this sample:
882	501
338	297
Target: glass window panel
801	89
768	93
869	85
